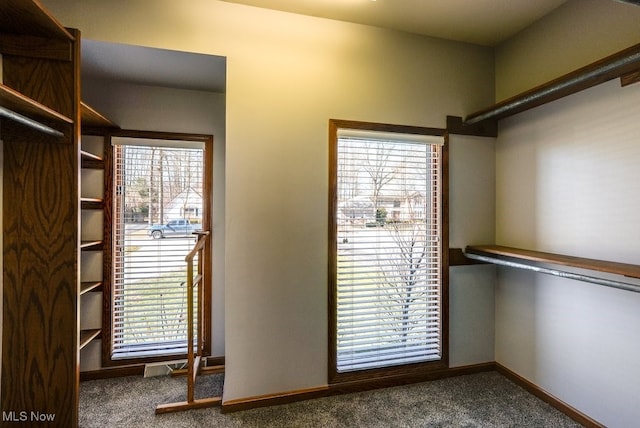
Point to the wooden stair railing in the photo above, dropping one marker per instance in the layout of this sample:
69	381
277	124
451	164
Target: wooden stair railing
194	340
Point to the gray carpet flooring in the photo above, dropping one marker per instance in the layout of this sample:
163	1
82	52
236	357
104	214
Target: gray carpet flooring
479	400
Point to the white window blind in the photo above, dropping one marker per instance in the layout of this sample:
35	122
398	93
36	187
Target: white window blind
154	185
388	248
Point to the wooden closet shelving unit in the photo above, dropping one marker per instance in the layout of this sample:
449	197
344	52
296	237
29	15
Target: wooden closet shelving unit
40	337
40	113
94	124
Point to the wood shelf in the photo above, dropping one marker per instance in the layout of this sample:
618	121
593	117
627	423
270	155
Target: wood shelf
29	18
85	155
92	151
87	286
93	119
91	245
91	203
624	269
87	336
22	105
91	163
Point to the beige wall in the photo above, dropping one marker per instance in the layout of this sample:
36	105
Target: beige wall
574	35
565	175
286	76
567	182
472	217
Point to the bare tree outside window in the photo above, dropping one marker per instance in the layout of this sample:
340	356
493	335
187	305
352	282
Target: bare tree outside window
158	185
377	164
388	283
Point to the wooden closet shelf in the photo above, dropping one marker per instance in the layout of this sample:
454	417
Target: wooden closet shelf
89	163
89	156
23	105
91	204
87	336
29	18
91	245
87	286
93	119
624	269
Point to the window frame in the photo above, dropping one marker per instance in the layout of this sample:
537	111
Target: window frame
207	205
413	369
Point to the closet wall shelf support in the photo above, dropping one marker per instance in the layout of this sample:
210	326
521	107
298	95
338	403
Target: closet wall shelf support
523	259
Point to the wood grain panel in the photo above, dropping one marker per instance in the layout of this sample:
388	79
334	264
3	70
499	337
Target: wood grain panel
40	280
107	254
35	78
35	47
40	243
16	102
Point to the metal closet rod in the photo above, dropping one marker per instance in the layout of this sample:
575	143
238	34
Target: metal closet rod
5	112
555	272
614	66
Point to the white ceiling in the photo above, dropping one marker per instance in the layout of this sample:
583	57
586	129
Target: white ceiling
483	22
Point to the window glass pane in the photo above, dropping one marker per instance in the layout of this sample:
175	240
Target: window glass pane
388	252
157	208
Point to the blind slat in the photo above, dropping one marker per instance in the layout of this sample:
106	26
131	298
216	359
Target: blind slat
388	248
154	185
